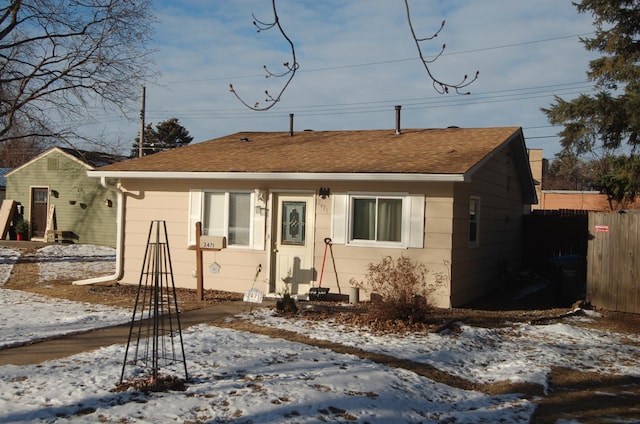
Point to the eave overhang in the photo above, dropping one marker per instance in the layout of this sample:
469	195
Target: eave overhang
281	176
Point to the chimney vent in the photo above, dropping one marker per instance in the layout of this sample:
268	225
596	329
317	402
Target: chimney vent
398	107
291	125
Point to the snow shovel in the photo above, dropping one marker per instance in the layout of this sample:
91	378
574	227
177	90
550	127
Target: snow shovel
316	293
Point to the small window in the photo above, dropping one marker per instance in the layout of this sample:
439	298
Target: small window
474	221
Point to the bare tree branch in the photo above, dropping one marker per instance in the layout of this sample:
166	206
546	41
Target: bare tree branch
290	67
438	85
56	58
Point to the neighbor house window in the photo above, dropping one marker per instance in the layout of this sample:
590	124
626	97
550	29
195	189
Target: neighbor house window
228	215
474	220
53	164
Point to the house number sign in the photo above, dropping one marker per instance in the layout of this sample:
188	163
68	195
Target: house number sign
212	242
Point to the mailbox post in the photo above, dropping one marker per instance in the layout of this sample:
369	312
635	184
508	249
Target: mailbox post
211	243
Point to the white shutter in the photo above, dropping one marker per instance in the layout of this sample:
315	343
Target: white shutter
259	219
416	220
195	214
339	218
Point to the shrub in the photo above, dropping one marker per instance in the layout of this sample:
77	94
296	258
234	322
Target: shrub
287	304
399	289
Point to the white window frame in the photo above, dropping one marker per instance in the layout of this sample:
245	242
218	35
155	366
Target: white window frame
413	207
197	214
474	228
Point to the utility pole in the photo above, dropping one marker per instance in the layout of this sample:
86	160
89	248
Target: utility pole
141	143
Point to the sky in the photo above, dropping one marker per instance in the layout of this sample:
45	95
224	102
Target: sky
233	381
357	60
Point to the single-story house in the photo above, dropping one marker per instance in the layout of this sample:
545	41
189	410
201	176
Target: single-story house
451	199
56	195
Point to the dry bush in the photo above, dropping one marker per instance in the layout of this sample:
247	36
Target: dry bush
400	290
286	304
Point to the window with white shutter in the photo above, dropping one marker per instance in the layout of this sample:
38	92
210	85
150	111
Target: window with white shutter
378	219
227	214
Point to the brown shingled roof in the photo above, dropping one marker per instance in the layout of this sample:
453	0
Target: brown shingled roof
426	151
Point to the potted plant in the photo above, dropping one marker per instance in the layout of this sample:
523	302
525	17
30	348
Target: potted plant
21	227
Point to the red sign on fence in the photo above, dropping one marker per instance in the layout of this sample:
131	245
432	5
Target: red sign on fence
602	228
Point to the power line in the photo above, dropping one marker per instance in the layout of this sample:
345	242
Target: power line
408	104
380	106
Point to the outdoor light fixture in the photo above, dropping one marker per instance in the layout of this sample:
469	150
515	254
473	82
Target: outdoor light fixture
108	203
261	201
324	192
55	193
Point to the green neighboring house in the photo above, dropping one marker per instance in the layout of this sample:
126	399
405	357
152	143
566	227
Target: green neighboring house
60	201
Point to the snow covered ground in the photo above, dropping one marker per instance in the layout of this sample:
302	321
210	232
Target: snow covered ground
26	317
248	378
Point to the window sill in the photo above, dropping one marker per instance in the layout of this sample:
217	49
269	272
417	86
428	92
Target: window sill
377	244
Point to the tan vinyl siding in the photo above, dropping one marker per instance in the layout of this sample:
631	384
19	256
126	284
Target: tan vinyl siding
168	200
352	262
479	270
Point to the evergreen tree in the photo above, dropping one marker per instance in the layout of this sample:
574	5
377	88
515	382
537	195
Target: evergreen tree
605	121
620	179
167	135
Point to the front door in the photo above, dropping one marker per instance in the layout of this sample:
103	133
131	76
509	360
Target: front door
292	246
39	211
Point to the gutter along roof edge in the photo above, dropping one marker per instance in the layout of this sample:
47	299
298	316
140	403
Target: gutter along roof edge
279	176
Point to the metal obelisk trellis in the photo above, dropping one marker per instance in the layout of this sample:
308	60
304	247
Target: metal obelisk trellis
155	335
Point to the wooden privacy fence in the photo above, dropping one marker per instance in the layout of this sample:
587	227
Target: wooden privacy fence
613	261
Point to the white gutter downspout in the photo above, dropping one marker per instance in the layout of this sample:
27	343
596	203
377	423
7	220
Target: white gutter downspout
117	275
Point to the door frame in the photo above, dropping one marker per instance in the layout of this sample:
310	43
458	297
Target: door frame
274	286
31	212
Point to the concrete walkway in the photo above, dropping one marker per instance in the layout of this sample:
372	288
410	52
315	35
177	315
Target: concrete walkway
64	346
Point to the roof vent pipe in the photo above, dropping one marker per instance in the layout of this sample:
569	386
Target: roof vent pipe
291	125
398	107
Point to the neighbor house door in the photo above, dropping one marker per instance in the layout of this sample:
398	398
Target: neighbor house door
39	211
292	247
